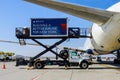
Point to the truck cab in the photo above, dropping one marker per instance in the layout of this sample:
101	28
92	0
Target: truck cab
79	59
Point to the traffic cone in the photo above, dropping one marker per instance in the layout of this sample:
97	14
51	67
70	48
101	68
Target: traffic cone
3	66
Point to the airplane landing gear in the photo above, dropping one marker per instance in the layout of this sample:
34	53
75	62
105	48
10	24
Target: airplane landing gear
117	61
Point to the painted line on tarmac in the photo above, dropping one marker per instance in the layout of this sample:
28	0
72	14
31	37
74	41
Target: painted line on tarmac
71	75
36	77
114	68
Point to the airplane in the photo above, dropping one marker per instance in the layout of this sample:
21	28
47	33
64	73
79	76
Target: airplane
106	24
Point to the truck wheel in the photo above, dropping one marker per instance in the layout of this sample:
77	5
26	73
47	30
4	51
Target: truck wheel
39	65
84	65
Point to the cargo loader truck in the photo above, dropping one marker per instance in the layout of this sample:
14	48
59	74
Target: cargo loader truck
70	58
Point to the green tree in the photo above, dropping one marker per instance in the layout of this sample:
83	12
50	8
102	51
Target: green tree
9	53
1	53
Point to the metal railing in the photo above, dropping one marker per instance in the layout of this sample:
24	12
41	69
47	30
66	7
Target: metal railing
85	32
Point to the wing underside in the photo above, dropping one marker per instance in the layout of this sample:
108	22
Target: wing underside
91	14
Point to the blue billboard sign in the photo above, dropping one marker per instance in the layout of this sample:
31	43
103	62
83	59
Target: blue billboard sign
49	27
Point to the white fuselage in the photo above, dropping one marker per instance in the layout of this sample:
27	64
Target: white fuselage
105	37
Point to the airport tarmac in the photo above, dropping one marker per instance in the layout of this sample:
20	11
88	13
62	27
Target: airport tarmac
95	72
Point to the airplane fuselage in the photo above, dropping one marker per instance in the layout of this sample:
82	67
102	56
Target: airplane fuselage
106	37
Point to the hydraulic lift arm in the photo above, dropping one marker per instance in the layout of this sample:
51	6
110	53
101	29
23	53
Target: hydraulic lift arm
48	49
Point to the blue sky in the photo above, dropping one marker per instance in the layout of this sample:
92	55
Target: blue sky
17	13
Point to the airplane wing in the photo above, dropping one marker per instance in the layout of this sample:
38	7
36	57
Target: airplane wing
32	44
19	43
91	14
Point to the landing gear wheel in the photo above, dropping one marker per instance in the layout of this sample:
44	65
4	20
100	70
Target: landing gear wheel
116	61
84	65
39	65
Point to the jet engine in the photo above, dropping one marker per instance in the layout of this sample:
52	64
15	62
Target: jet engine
89	51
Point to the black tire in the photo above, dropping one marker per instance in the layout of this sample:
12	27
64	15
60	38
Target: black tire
39	65
64	54
84	65
116	61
